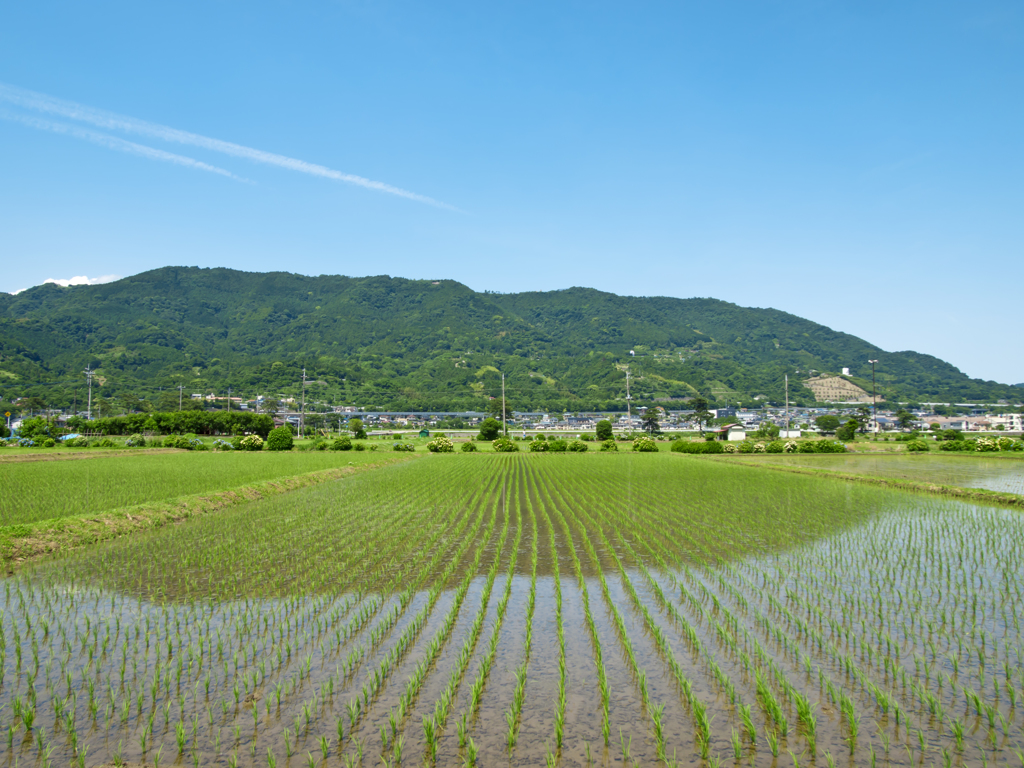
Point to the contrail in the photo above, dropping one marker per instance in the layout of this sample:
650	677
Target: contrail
42	103
112	142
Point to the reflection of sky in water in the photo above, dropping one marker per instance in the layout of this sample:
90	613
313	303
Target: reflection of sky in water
1002	475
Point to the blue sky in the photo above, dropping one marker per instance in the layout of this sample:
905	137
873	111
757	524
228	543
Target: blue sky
859	164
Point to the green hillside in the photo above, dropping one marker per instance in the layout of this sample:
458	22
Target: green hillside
412	344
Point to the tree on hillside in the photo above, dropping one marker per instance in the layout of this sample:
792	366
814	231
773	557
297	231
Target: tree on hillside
827	423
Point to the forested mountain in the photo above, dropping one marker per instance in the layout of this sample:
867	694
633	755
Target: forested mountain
413	344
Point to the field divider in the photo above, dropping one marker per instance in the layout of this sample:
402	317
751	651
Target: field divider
31	541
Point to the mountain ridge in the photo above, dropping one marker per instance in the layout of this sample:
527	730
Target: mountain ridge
431	344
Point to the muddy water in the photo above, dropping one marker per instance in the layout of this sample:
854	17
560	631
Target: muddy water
917	604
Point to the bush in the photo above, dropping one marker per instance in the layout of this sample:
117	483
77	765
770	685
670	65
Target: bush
577	446
604	430
48	442
775	446
644	444
403	447
468	448
77	442
280	439
557	445
538	446
747	446
587	437
917	446
360	446
609	445
171	441
221	445
504	445
688	446
829	446
806	446
950	434
106	442
341	444
442	444
539	436
137	441
490	428
251	443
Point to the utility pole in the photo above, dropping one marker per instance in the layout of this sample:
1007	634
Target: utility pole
874	397
302	414
787	405
629	409
88	375
229	399
180	387
504	426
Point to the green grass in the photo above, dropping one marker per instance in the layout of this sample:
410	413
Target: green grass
32	491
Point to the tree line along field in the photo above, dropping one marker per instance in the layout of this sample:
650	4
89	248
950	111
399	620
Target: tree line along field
530	609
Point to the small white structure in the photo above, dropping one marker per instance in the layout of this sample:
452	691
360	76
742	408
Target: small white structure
789	434
733	433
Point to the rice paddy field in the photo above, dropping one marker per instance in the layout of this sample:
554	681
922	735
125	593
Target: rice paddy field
1005	475
624	609
52	488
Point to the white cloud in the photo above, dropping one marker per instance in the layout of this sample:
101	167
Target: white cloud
112	142
40	102
80	280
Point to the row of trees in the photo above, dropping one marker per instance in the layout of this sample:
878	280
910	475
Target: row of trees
179	422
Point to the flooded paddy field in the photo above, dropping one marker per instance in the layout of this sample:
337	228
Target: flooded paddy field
525	610
1004	475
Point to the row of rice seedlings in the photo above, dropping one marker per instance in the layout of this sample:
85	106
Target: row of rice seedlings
444	705
547	491
512	714
359	708
563	674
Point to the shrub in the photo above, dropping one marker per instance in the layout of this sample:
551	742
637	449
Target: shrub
587	437
360	446
236	442
986	444
539	436
441	444
195	444
950	434
747	446
604	430
280	439
77	442
689	446
251	443
643	444
557	446
221	445
402	447
829	446
26	442
468	448
175	441
137	441
538	446
341	444
609	445
106	442
504	445
805	447
490	428
577	446
396	436
48	442
775	446
917	446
